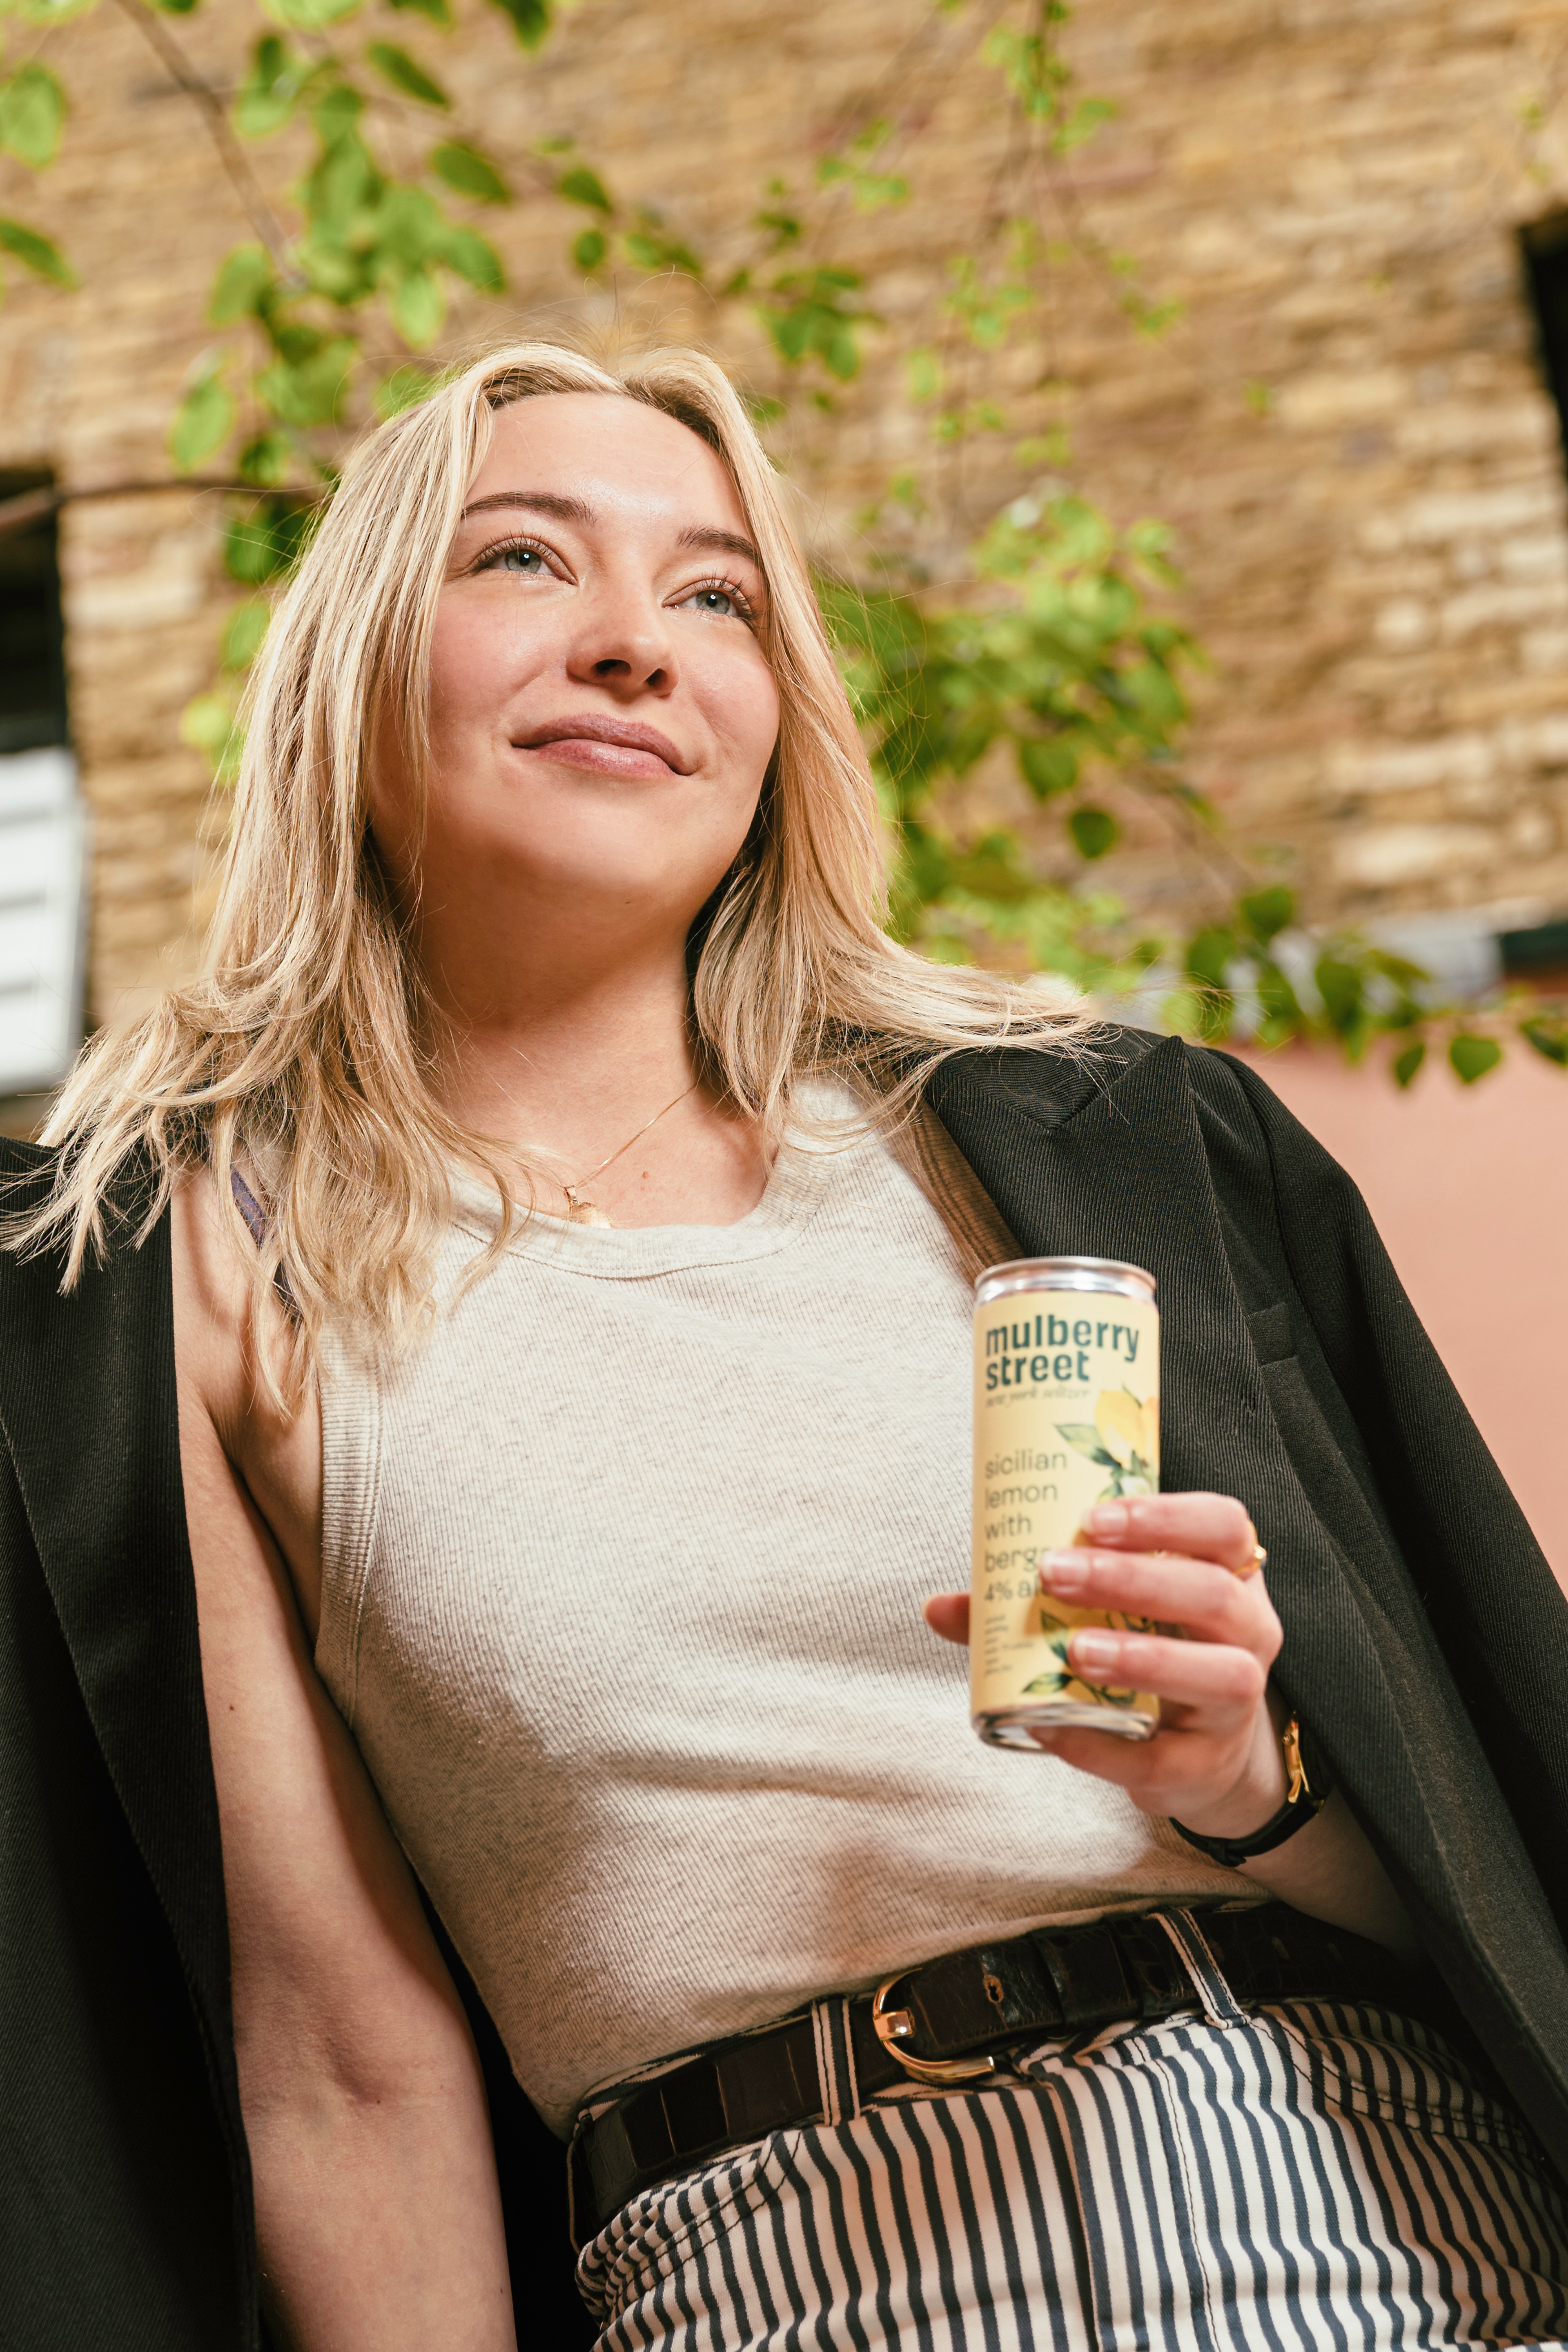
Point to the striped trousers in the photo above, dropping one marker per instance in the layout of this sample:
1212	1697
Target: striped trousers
1310	2178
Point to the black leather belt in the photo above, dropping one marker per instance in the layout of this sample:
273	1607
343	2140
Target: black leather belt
931	2024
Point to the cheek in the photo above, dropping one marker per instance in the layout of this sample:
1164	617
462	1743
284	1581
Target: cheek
742	702
478	659
460	662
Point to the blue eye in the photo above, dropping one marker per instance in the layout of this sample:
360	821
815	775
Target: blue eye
526	560
715	600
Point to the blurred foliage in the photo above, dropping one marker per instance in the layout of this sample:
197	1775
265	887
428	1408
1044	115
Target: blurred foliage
1068	672
1024	715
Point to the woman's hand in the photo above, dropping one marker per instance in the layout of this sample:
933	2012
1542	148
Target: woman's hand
1185	1562
1216	1763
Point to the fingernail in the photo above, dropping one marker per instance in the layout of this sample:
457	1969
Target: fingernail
1063	1571
1090	1649
1107	1520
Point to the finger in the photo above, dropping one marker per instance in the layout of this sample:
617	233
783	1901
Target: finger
1218	1688
1128	1764
1205	1527
1209	1602
1169	1775
947	1614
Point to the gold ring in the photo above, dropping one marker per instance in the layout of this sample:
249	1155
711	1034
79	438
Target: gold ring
1259	1555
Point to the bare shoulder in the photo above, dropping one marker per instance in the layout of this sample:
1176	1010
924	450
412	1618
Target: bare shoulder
213	1301
232	1430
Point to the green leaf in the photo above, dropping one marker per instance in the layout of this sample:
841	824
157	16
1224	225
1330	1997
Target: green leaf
1549	1038
272	88
310	390
925	375
310	16
1210	954
266	460
409	229
36	252
784	228
839	350
1340	985
1266	912
336	113
1406	1063
32	114
395	65
1048	767
471	257
469	173
243	633
589	249
581	186
436	10
651	252
404	388
813	312
242	285
266	543
1082	123
418	307
342	276
1094	831
1473	1056
208	724
203	419
175	7
530	19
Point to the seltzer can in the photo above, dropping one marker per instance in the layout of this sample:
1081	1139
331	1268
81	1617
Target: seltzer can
1067	1415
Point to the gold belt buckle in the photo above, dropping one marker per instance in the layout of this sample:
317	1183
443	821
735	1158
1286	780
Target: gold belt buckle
895	2025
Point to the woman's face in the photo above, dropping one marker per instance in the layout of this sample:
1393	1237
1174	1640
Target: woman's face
601	712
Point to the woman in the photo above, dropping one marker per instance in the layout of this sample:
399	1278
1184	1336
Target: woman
570	1322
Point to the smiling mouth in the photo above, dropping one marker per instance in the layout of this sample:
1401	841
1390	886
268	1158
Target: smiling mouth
589	739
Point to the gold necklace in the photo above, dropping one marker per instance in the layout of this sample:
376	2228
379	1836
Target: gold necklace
580	1210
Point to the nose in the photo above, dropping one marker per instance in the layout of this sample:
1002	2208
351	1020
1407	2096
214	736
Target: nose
624	641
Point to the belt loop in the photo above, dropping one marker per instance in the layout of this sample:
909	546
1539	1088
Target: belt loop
1219	2003
835	2080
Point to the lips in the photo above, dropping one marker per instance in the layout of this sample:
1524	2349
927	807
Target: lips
597	727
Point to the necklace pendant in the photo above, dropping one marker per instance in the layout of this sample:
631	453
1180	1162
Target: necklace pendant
581	1211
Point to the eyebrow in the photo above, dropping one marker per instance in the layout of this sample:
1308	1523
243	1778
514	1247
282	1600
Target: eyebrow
725	542
567	510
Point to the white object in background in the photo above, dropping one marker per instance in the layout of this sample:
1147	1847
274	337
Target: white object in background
1457	949
42	841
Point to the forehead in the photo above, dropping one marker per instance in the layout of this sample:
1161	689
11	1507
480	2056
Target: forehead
619	457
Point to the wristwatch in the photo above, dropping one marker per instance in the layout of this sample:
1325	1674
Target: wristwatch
1309	1791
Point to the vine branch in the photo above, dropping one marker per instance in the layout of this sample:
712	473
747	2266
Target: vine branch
34	506
245	185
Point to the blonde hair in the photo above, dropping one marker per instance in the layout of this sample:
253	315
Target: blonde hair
297	1052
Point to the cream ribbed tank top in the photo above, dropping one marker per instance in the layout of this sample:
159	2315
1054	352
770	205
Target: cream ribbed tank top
623	1574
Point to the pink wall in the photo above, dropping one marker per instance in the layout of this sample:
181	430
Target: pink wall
1466	1186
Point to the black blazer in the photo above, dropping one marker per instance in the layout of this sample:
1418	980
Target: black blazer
1426	1641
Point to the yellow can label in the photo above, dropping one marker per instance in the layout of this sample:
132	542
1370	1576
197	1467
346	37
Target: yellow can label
1067	1415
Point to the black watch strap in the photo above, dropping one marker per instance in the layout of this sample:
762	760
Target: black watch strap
1310	1789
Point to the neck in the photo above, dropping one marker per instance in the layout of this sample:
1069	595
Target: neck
559	1041
575	1065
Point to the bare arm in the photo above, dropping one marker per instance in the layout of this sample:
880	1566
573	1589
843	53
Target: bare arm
377	2208
1216	1763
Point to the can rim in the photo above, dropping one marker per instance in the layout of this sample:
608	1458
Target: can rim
1105	1274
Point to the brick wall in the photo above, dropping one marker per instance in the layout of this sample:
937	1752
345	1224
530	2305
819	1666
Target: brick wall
1346	425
